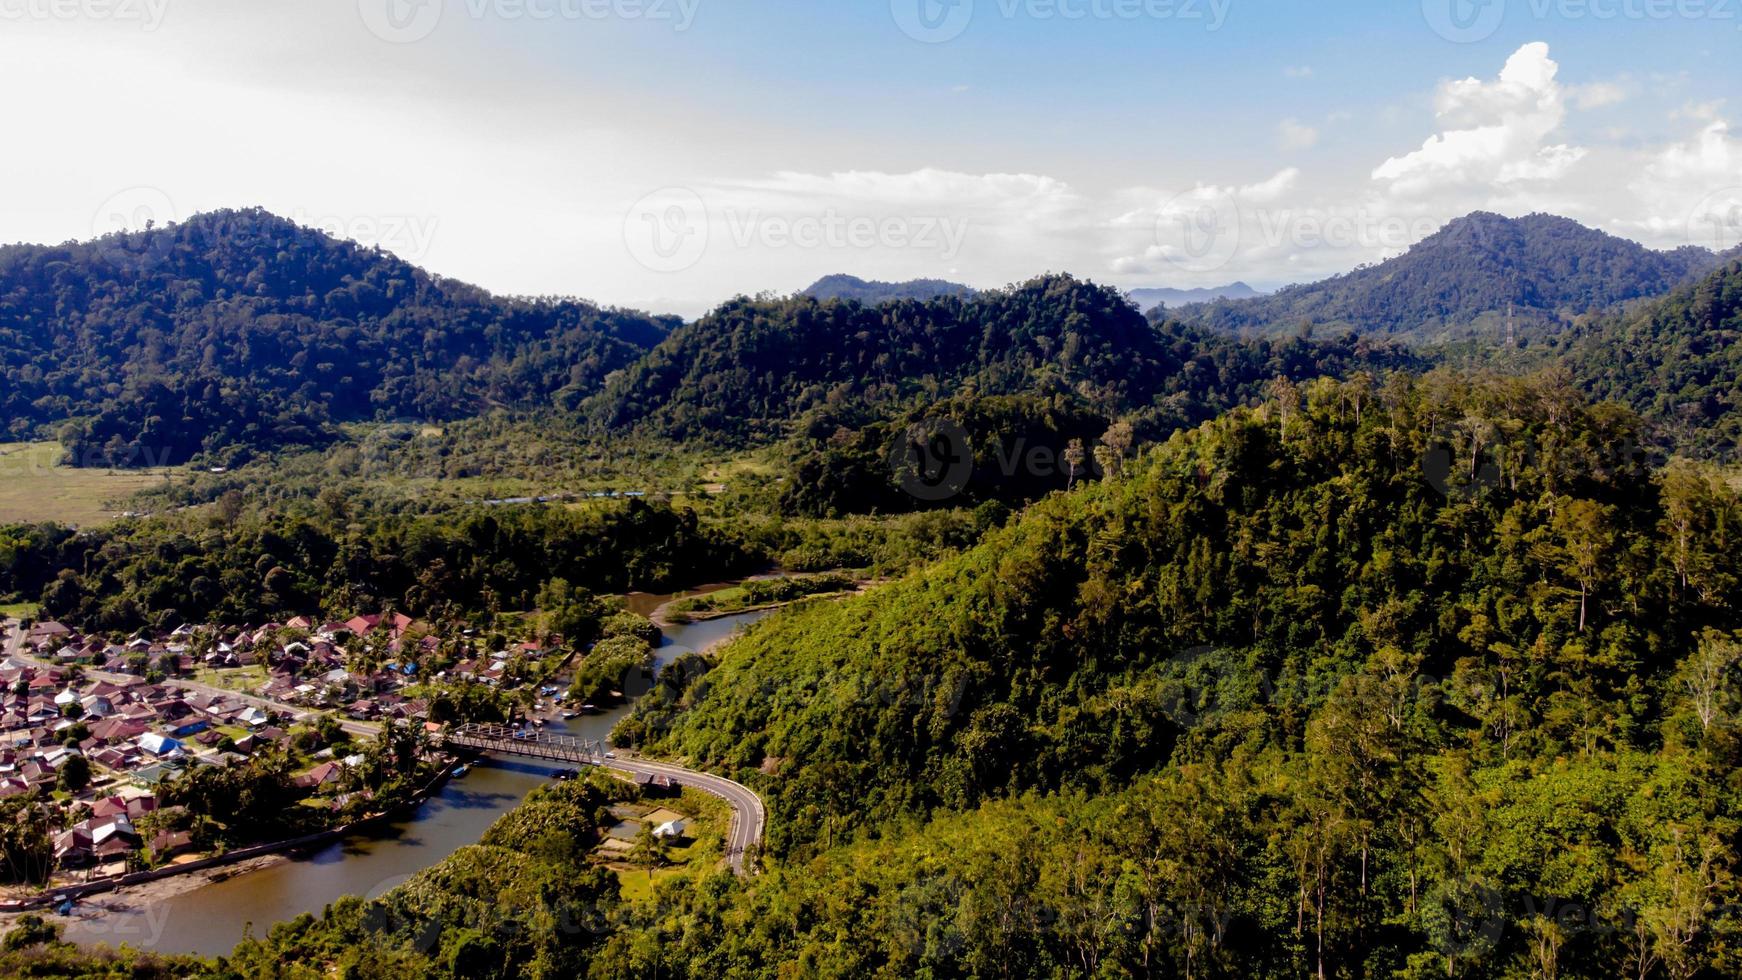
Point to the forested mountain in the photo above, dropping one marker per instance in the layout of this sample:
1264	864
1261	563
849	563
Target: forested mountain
241	329
746	371
1678	361
1361	683
1149	299
872	292
1017	447
1546	269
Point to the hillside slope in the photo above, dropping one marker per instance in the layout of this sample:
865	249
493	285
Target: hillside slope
1678	361
238	328
1545	269
753	369
749	368
1252	563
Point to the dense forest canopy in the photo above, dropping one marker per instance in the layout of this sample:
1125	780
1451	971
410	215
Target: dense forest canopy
746	371
212	568
237	333
1403	677
1678	360
1544	268
241	329
1332	707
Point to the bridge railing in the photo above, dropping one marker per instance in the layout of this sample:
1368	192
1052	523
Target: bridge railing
531	743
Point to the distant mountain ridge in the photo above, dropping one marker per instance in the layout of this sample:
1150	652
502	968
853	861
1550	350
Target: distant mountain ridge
872	292
1149	299
243	329
1543	268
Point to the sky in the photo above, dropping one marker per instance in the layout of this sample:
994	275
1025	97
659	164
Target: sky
670	154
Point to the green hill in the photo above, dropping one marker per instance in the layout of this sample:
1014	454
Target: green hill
1678	361
238	330
754	369
1544	269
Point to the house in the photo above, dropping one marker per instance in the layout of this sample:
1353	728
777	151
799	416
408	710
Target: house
95	706
171	843
72	847
186	727
114	849
363	625
325	774
111	807
46	632
161	746
117	729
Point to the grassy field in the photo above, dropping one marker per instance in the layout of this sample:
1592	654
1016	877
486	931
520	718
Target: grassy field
19	610
242	679
35	487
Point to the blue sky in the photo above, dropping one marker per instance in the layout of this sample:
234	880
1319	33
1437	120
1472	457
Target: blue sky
671	153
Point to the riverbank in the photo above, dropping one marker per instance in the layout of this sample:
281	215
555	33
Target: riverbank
194	915
135	902
666	615
184	876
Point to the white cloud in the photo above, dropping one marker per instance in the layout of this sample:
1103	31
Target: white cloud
1596	95
1295	135
1500	131
1030	195
527	186
1691	191
1703	111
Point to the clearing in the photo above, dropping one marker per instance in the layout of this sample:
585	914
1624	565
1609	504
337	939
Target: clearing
34	487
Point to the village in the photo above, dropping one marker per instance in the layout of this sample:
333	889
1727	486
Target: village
92	728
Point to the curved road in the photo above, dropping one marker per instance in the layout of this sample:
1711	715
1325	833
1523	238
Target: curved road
749	816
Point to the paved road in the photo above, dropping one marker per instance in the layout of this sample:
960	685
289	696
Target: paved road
15	641
366	729
749	816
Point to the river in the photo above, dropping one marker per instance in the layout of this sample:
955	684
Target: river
212	919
